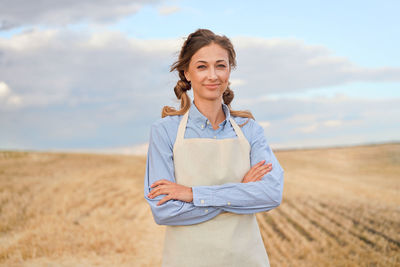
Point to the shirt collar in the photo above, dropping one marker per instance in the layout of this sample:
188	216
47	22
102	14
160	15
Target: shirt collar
201	121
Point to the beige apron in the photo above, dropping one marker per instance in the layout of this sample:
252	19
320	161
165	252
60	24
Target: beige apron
228	239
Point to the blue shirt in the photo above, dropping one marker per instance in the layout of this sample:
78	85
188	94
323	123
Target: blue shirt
209	201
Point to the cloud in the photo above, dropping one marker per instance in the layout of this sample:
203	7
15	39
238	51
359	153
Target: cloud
308	129
264	124
168	10
60	68
64	67
104	89
289	65
4	90
236	82
327	121
139	150
83	90
332	123
62	12
7	98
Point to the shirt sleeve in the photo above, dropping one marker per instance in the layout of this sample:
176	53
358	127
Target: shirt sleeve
252	197
159	166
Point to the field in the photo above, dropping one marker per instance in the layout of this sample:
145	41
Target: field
341	207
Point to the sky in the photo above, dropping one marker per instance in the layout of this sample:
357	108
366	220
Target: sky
94	75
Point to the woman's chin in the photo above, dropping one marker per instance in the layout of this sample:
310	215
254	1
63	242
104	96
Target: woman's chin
213	97
210	96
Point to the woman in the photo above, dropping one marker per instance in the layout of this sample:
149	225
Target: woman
209	168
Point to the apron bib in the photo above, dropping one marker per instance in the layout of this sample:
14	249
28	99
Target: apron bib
228	239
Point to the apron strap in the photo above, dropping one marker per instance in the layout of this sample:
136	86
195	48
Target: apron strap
238	131
182	127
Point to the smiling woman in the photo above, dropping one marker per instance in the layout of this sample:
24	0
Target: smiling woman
209	168
195	59
208	72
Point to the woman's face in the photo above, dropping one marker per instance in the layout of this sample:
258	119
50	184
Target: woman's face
209	72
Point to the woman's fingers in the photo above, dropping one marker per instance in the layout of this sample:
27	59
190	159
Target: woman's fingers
262	171
155	192
165	199
157	186
160	182
159	190
257	166
258	173
171	190
259	163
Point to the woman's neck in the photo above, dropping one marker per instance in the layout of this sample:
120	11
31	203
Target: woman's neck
212	110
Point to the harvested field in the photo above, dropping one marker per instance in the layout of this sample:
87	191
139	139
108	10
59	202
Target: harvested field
341	207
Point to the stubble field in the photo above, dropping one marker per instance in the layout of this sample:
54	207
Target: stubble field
341	207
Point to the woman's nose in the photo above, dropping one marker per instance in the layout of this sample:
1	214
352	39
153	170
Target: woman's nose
212	75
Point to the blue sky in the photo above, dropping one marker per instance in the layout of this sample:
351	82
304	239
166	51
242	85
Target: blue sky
350	28
65	65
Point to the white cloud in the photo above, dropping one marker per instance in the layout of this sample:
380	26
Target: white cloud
309	128
332	123
70	68
67	67
328	121
9	99
139	150
4	90
104	89
14	100
316	125
62	12
264	124
168	10
237	82
289	65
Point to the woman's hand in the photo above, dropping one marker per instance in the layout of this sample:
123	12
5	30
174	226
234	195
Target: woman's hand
171	190
257	172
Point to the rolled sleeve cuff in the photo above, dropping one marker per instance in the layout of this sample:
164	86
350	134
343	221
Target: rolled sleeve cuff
202	196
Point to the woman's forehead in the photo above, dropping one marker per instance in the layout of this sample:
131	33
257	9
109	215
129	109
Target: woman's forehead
210	53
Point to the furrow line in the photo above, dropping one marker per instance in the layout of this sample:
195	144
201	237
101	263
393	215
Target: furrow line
271	244
360	237
369	229
296	226
316	224
271	222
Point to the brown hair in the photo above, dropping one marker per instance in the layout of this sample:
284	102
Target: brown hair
195	41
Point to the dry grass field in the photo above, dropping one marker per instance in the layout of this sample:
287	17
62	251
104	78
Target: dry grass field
341	207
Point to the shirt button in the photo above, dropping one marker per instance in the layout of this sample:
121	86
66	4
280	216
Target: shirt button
202	201
206	211
208	122
229	203
215	137
202	126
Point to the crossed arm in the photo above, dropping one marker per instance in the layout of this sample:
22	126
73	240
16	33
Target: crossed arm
176	191
175	204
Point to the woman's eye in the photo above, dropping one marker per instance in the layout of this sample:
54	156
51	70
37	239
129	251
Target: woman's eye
201	67
221	66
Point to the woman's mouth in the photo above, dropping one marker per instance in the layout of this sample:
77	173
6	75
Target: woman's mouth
212	86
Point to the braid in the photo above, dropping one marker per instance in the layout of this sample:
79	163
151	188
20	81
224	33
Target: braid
228	96
182	85
180	89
